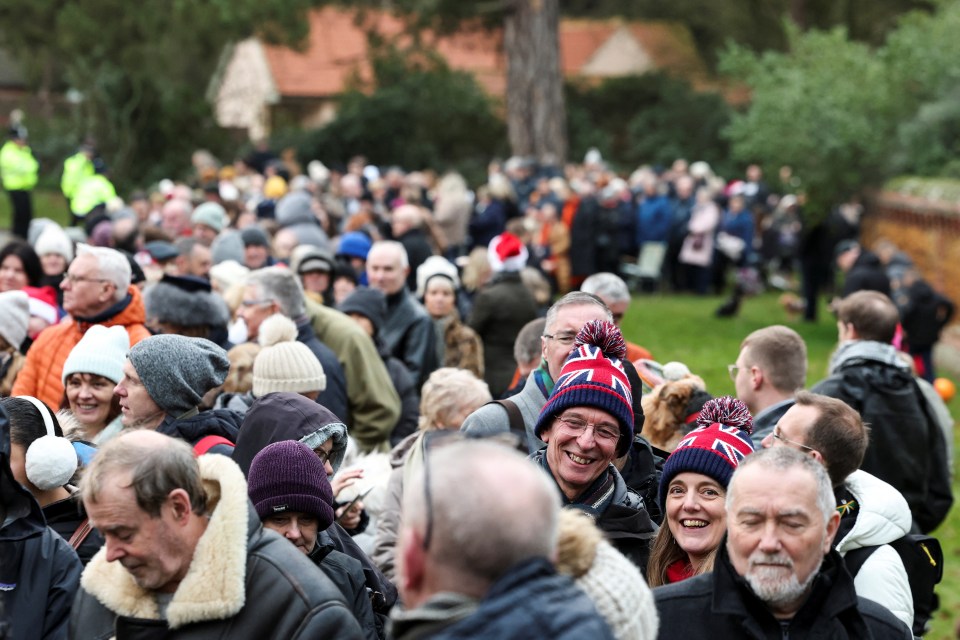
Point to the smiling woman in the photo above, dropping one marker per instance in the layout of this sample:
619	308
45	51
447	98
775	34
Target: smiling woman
692	491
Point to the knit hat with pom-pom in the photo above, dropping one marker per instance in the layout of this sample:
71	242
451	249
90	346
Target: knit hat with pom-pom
614	583
593	376
285	364
715	448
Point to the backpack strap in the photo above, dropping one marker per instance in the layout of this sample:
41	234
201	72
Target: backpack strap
80	534
206	443
517	424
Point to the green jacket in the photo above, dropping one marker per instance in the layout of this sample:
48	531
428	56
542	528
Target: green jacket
76	169
91	191
18	167
372	400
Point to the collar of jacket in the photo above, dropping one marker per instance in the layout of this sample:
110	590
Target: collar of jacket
852	352
832	593
112	311
213	588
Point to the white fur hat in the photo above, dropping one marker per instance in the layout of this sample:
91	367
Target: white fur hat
436	266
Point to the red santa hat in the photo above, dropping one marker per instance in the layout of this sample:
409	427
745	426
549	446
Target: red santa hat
507	253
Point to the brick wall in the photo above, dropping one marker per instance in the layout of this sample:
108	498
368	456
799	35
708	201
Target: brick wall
928	231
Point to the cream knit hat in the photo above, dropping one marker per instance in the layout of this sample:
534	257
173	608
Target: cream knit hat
615	585
101	351
14	317
285	364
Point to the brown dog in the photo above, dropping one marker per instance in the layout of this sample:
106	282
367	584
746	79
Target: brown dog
668	406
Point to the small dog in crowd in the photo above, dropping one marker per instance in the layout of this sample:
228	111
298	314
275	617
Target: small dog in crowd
792	304
671	410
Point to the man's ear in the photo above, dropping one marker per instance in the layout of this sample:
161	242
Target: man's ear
179	503
756	377
411	561
832	525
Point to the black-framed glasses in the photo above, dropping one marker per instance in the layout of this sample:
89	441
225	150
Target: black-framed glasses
566	339
777	435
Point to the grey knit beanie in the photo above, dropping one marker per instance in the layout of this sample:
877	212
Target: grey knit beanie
177	371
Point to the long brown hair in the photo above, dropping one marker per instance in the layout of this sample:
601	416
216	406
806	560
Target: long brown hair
114	403
665	552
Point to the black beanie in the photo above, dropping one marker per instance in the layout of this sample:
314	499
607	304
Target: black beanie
369	303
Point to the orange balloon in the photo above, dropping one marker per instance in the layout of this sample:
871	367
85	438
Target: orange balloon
945	388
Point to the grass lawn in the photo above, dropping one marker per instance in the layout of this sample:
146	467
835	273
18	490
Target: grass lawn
684	328
46	204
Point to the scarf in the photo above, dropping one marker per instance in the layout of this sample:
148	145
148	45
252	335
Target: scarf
596	498
679	571
542	377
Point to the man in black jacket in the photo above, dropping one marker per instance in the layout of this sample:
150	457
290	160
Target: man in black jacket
863	268
776	576
39	572
907	447
186	555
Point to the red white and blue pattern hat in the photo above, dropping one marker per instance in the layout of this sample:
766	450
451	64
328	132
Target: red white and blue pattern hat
593	376
715	448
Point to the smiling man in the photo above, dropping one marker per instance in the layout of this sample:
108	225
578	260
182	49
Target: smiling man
186	555
587	422
776	577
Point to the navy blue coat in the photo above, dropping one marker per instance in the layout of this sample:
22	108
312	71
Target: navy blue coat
532	601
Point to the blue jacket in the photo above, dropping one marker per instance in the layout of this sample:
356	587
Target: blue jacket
739	225
532	601
654	216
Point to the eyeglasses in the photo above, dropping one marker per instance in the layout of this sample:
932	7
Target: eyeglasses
732	369
323	455
254	303
603	432
74	279
566	339
776	434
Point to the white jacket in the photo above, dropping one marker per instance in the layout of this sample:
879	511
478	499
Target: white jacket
884	517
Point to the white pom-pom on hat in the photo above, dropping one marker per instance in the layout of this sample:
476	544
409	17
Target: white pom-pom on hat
276	329
50	462
675	371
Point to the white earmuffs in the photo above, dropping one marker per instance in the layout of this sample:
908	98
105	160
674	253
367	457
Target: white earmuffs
50	461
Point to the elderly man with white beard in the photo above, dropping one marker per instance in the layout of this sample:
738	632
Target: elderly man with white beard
776	577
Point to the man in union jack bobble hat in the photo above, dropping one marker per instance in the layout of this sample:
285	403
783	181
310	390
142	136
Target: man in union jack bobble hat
587	423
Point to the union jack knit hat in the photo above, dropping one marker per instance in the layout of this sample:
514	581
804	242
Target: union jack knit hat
715	448
593	376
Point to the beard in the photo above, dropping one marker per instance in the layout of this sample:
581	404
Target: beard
769	583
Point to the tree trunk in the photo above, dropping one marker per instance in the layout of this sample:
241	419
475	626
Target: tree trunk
536	114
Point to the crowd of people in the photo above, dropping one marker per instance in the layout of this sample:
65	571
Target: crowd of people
362	403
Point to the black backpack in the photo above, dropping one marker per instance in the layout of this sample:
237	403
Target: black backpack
923	559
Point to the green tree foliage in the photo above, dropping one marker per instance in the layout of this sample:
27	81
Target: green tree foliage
826	108
420	114
142	70
650	119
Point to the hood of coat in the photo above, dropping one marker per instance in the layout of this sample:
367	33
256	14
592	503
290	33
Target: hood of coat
213	588
884	515
288	416
853	352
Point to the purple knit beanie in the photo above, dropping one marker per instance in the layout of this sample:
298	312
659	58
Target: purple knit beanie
715	448
288	476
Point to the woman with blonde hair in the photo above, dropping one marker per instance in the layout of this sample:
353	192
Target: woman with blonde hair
448	396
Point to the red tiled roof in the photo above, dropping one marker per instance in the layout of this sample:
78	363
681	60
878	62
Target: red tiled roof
337	50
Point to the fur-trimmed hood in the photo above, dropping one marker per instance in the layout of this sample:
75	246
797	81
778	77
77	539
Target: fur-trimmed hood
213	588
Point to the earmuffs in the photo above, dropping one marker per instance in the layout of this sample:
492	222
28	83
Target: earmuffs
51	460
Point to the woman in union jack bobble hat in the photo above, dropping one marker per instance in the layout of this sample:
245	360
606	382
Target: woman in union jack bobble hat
693	491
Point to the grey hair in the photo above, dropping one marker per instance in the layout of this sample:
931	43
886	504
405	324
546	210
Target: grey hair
154	473
112	265
575	298
527	346
400	250
491	508
446	392
783	459
281	286
607	286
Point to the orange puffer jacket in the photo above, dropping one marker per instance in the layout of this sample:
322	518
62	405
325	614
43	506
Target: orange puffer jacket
40	376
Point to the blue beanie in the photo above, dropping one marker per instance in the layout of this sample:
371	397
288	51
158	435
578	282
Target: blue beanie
355	244
593	376
715	448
